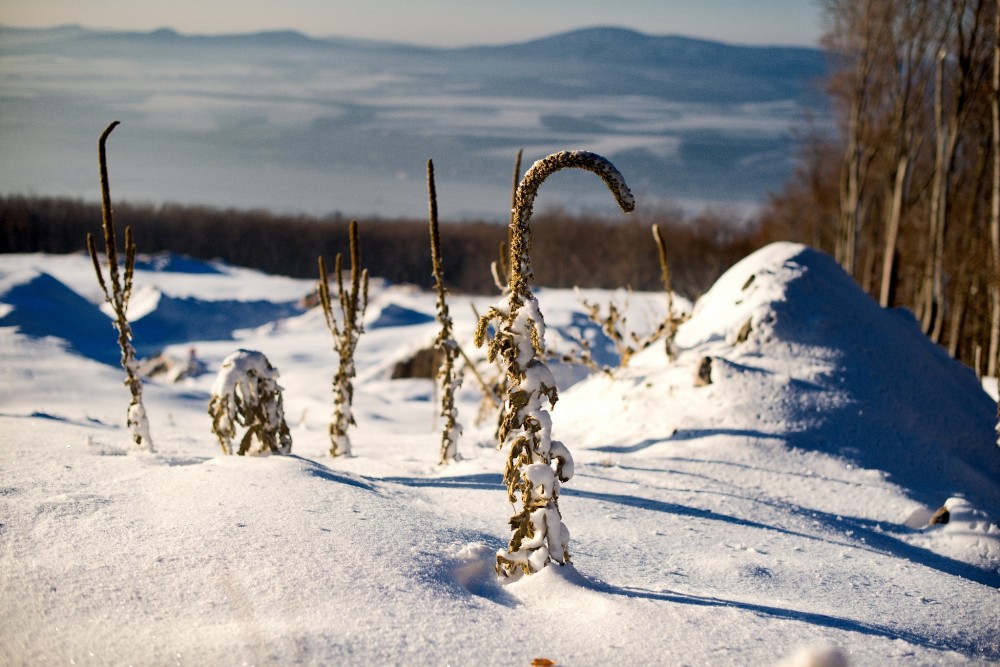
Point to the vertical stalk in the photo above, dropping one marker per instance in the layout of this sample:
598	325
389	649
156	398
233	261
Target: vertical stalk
117	291
447	374
671	321
536	464
346	334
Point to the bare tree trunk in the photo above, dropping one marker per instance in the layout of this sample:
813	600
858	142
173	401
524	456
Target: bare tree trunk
849	196
992	356
913	27
892	232
957	313
933	276
856	154
868	266
951	126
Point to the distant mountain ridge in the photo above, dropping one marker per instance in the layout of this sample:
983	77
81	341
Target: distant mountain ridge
692	120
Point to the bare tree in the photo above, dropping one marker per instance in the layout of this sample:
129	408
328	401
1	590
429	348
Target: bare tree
913	86
964	35
911	37
992	356
858	35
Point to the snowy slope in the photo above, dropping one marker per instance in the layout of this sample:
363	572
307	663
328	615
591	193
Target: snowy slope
779	509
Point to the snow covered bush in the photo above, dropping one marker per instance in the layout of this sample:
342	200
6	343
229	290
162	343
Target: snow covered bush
536	464
246	393
346	333
448	376
117	296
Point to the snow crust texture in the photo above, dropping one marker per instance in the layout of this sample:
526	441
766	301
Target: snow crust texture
780	514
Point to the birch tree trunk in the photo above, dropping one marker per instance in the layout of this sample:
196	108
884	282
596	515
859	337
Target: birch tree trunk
892	232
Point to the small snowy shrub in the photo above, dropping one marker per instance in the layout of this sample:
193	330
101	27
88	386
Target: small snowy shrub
246	394
613	323
346	333
118	296
536	464
448	376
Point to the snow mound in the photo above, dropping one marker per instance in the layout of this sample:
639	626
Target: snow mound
40	306
163	320
394	315
800	354
166	262
966	533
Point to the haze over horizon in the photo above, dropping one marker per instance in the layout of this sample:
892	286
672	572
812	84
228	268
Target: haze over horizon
306	125
441	22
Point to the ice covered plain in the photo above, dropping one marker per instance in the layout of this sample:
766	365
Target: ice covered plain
775	516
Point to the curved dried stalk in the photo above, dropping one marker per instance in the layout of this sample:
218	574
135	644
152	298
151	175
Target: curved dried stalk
117	291
536	464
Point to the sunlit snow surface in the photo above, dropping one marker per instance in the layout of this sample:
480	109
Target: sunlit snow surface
774	516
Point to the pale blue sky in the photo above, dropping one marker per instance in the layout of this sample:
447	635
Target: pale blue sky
438	22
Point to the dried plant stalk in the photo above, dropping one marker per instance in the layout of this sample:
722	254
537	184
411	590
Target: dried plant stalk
536	464
117	291
346	333
673	319
448	376
614	323
501	267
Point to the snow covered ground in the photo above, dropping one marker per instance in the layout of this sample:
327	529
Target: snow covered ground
774	516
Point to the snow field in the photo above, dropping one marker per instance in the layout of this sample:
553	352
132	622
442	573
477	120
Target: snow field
758	520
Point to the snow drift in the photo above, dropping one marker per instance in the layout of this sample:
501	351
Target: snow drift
777	513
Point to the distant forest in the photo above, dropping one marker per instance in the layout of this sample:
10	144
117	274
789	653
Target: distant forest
567	250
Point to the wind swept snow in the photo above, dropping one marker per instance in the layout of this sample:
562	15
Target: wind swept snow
777	514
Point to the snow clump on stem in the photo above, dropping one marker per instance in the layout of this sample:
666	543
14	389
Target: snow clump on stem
246	393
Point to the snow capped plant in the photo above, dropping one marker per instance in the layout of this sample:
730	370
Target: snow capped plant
118	297
346	333
448	376
246	393
539	535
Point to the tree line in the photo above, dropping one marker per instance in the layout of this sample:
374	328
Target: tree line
570	250
905	193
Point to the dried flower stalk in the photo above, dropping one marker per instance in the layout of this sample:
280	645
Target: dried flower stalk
346	333
117	295
448	376
539	535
